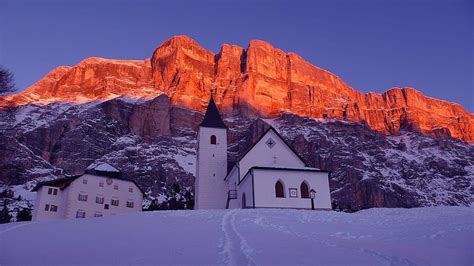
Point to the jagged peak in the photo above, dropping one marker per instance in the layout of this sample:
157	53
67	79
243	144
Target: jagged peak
180	41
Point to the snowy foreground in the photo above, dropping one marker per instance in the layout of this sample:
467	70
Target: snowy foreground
424	236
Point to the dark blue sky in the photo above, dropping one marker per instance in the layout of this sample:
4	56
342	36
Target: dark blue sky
372	45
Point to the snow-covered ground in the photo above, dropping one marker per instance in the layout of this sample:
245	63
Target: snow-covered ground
423	236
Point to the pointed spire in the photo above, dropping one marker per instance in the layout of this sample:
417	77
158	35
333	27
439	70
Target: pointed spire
212	118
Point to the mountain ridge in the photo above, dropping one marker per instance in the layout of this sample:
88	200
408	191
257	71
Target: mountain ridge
261	80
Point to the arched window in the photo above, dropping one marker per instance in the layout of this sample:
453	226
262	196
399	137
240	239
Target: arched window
213	139
304	190
244	201
279	191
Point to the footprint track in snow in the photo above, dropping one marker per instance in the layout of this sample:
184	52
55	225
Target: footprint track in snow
235	249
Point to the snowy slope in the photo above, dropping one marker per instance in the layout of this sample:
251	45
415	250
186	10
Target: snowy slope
419	236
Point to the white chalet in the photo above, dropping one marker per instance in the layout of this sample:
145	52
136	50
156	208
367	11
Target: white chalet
101	191
269	175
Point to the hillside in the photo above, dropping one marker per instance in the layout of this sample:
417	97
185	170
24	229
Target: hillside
420	236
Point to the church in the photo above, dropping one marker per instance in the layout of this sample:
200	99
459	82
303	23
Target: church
270	174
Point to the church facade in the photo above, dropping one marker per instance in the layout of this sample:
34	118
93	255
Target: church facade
269	175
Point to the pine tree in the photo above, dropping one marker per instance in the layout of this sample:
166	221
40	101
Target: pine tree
24	215
6	81
5	216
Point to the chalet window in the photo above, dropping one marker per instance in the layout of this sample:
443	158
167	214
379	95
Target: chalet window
213	139
101	184
46	207
82	197
80	214
54	208
50	191
55	191
304	190
130	189
279	191
130	204
115	202
99	199
84	181
97	214
116	187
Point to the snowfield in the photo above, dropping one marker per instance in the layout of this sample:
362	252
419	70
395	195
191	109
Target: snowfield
421	236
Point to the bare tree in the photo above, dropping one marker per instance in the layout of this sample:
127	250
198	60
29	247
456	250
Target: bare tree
6	80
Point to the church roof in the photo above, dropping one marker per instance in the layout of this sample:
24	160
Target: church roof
258	140
212	118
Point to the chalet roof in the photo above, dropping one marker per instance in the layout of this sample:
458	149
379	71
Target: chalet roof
105	170
212	118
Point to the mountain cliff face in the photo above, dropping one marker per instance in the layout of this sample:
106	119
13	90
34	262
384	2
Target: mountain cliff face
260	80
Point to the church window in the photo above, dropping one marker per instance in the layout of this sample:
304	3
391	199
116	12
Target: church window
279	191
54	208
97	214
46	207
304	190
213	139
130	204
270	143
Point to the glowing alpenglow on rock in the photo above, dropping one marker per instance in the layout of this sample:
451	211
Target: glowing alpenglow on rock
260	79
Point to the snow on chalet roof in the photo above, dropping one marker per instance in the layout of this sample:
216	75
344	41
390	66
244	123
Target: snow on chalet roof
104	167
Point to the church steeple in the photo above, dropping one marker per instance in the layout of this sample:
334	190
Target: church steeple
212	118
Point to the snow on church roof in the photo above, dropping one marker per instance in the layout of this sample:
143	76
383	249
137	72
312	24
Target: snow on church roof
287	167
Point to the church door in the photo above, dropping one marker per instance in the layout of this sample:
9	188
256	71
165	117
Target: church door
244	201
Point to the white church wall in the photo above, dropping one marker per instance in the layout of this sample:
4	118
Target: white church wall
43	198
261	154
93	189
231	184
210	187
264	186
246	188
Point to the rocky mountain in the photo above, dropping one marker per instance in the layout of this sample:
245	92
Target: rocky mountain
397	149
260	80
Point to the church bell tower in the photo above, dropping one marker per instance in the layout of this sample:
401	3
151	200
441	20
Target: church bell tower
211	166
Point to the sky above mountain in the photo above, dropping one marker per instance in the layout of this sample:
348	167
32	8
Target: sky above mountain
372	45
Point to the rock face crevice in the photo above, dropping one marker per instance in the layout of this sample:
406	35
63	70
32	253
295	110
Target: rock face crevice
260	79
